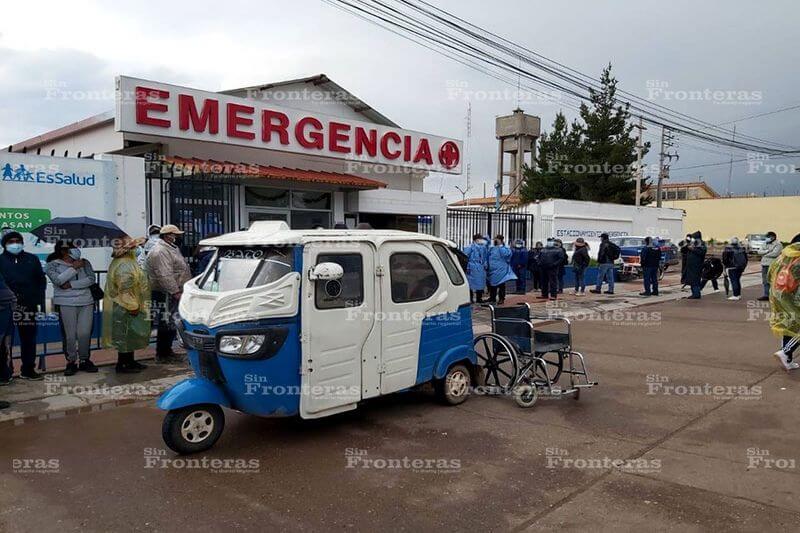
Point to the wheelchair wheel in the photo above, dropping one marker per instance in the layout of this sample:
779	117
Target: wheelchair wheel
553	364
497	360
526	395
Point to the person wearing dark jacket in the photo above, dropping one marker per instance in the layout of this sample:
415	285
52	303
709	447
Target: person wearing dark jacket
7	303
607	253
711	271
533	265
550	259
734	259
519	264
650	260
562	269
695	257
684	250
580	262
23	273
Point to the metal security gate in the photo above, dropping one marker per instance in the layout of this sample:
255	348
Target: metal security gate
201	205
462	224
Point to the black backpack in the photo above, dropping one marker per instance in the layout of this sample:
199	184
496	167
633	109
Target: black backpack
612	251
739	258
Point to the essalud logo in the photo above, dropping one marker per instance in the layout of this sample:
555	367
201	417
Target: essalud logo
24	175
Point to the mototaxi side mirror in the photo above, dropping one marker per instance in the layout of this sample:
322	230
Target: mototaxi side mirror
326	272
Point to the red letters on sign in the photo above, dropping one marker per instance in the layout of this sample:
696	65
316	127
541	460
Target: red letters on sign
234	121
268	118
407	148
337	134
144	106
208	117
314	139
366	140
395	138
423	152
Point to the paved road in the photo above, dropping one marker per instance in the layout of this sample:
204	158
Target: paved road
642	451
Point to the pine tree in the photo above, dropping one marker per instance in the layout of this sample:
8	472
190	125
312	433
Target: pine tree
551	177
595	157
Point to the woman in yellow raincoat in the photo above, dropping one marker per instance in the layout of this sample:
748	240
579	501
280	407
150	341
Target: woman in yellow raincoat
126	316
784	300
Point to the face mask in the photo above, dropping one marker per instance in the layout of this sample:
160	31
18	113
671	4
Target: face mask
770	239
14	248
517	246
480	242
75	253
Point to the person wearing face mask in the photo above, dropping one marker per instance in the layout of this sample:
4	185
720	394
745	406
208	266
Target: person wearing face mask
71	277
153	236
23	273
768	255
168	271
476	267
498	263
734	259
519	264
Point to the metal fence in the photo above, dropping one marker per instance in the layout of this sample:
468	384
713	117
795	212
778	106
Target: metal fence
462	224
199	204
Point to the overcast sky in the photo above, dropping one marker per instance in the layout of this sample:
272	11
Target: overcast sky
75	48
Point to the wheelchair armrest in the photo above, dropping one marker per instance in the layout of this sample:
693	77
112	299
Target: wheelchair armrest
514	321
565	320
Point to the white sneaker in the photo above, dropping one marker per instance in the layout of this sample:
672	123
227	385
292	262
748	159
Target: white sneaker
577	292
780	356
792	366
734	298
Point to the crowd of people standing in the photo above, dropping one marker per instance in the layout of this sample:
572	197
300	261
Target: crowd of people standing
142	288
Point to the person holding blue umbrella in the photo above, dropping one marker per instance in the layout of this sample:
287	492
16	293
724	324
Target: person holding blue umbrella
476	267
499	266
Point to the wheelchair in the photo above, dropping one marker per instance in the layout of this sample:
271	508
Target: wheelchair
527	361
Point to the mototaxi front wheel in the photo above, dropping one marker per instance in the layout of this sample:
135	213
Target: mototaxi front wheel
194	428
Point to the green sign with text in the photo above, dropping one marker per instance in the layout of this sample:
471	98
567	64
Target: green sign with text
23	220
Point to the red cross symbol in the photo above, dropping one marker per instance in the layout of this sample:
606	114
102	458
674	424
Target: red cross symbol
449	154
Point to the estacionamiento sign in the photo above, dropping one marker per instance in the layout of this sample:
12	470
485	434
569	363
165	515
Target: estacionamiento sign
154	108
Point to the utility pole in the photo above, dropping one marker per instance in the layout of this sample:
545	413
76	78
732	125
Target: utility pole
467	148
730	165
463	192
639	167
665	159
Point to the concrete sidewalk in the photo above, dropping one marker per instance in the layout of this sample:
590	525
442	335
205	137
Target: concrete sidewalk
58	395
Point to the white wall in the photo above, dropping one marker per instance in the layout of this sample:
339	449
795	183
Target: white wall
570	219
116	194
101	139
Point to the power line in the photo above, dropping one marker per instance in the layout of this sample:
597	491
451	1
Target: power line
447	44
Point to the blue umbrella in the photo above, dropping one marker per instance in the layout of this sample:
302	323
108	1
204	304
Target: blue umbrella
86	232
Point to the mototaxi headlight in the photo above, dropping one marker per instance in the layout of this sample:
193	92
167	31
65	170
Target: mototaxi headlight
241	344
